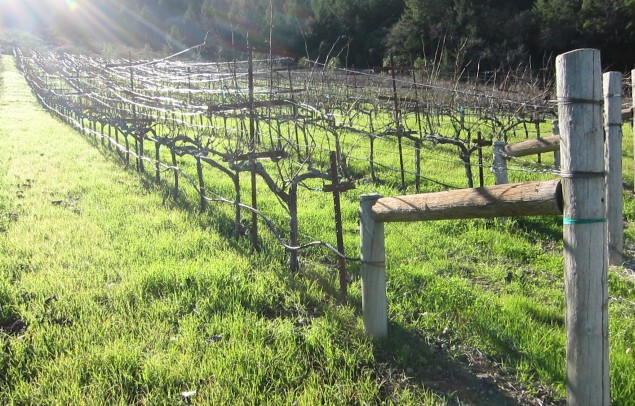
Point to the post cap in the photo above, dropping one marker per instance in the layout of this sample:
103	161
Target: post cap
370	197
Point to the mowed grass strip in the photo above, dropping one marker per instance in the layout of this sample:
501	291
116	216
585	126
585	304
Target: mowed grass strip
109	297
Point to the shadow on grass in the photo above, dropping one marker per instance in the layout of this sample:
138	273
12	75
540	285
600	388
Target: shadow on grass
458	379
426	364
405	359
458	373
548	228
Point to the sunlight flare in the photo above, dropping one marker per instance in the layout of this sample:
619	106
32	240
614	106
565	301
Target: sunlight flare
72	5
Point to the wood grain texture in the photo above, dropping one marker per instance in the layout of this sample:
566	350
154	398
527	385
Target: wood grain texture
499	166
374	302
519	199
612	86
579	91
533	146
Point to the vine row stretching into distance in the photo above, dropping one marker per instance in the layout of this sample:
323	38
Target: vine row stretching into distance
280	122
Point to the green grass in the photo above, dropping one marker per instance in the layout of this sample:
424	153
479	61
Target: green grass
131	297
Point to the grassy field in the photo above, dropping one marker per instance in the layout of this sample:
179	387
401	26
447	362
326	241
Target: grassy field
112	293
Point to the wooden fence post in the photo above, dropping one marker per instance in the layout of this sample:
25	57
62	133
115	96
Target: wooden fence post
613	162
537	127
555	130
336	188
579	92
633	101
142	137
201	183
176	172
481	178
252	146
126	134
157	158
294	237
374	303
500	163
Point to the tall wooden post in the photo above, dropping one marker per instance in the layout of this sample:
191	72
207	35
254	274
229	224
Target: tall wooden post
142	137
374	303
555	130
579	92
398	122
252	148
480	142
537	127
237	225
134	121
500	163
201	183
125	134
109	136
613	161
157	160
294	235
336	188
175	168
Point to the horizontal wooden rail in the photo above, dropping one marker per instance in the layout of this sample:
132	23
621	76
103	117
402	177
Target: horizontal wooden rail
627	114
532	147
519	199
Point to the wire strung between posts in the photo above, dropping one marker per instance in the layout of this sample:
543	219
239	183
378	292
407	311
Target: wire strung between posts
156	61
217	198
389	139
538	167
443	89
186	110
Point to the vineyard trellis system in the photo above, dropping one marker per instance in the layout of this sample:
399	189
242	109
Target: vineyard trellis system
582	197
291	127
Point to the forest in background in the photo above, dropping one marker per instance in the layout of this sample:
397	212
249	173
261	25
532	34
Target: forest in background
485	34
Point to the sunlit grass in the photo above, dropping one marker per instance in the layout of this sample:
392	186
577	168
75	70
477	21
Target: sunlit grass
129	301
133	297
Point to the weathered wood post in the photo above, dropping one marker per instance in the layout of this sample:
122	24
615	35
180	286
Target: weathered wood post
555	130
537	127
579	92
142	136
127	151
500	163
374	303
175	168
520	199
157	161
336	188
399	132
294	235
109	136
481	178
201	183
252	146
613	162
633	101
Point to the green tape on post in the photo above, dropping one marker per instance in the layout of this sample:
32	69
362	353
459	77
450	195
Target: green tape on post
570	221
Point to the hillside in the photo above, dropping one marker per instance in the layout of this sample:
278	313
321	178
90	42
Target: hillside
459	35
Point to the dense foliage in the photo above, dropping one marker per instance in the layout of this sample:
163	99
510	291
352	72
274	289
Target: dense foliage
485	33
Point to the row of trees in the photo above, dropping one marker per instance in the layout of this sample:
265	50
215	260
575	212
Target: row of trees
485	33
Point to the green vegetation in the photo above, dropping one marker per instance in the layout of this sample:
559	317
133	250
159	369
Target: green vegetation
112	292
